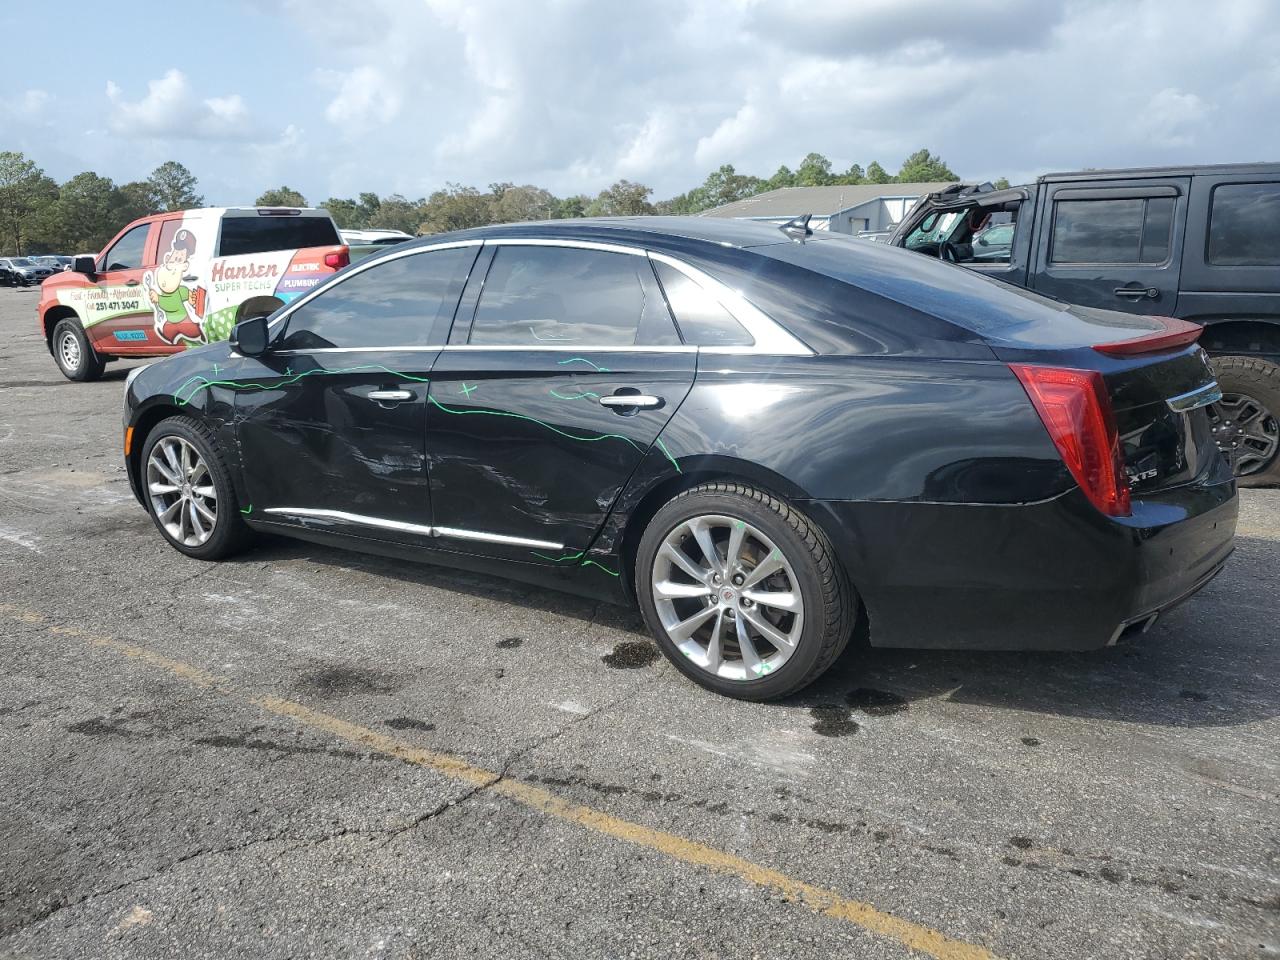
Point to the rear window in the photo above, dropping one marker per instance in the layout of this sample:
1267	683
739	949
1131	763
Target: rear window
1244	225
1129	230
241	235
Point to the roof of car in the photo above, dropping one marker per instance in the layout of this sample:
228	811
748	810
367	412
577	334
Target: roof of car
1182	171
640	230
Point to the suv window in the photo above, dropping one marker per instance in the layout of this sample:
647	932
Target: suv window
1244	225
394	303
701	318
1129	230
548	296
241	235
127	252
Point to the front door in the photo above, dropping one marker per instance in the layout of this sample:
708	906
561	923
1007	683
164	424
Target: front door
557	381
331	422
116	309
1118	247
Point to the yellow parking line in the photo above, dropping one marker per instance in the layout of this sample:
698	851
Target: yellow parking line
826	902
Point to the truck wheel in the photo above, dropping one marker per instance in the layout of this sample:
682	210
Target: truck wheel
1245	423
73	353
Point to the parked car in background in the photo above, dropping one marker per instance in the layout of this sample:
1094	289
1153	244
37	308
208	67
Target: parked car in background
364	243
55	262
183	279
23	271
750	431
1200	243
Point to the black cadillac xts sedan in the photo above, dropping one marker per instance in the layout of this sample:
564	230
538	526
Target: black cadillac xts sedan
751	432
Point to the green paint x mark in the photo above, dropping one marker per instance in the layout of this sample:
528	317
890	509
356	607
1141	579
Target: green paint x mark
466	390
591	363
247	510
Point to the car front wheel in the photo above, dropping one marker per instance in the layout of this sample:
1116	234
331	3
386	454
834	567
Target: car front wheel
189	493
743	593
73	353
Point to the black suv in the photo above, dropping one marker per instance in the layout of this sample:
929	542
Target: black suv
1200	243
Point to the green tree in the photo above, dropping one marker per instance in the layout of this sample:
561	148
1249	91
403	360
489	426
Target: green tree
24	193
174	187
135	199
923	167
814	171
86	214
281	197
367	204
524	203
854	175
397	213
784	177
622	199
1002	183
877	173
571	207
455	208
345	213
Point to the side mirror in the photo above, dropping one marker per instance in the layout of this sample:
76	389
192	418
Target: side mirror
86	265
251	337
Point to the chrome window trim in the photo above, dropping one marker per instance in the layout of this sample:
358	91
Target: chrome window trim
360	268
770	337
382	523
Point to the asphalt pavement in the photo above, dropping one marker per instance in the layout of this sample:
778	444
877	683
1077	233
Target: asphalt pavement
310	753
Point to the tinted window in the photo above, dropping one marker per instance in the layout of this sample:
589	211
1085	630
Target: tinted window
701	318
395	303
126	253
545	296
1244	225
1132	230
258	234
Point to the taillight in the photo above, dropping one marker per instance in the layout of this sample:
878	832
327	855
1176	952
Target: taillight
338	260
1075	409
1175	333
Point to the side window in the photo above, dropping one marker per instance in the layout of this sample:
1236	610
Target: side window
1130	230
701	318
168	228
1244	225
261	234
127	252
392	304
549	296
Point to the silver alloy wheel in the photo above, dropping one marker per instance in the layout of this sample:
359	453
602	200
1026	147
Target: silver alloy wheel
1246	432
181	489
727	597
69	350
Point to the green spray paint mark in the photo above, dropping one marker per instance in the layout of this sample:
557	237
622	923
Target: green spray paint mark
591	363
663	447
466	391
541	423
198	383
592	563
215	369
247	510
573	396
564	558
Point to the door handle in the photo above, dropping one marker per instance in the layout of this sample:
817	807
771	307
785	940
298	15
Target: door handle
131	283
1137	293
389	396
626	400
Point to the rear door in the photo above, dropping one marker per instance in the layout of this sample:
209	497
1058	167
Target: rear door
331	422
116	311
563	367
1116	246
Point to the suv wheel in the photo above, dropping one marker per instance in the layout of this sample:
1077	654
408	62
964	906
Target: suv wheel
73	353
744	595
189	492
1245	422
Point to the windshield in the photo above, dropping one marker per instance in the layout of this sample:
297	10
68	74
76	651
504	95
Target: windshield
22	262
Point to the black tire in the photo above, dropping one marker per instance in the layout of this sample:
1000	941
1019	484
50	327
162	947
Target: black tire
230	534
830	603
73	353
1258	380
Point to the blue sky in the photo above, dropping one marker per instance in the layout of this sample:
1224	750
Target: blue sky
333	97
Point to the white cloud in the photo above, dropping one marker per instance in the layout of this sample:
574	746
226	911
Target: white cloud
171	110
1171	116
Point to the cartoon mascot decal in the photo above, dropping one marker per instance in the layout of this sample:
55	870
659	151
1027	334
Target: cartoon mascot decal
171	298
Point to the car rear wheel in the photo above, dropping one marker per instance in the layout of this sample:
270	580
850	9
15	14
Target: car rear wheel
743	593
189	493
1245	423
73	353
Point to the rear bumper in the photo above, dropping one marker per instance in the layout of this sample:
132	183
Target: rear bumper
1055	575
